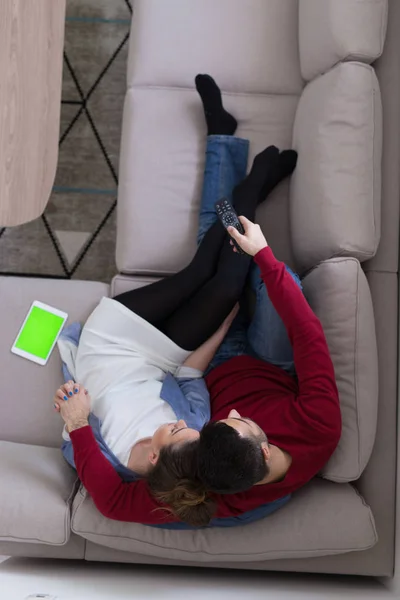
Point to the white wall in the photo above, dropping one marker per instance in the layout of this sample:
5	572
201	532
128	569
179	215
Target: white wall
93	581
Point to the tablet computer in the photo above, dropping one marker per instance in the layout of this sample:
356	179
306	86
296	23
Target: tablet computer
39	332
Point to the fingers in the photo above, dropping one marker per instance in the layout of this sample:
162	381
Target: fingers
67	391
59	398
246	223
233	246
235	310
71	388
235	234
61	394
68	388
233	313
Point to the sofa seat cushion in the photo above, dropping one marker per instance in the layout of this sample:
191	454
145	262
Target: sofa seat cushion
161	174
37	488
28	384
336	188
338	292
331	31
303	528
243	52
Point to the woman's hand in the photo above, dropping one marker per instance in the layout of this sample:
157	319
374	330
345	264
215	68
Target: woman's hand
72	401
201	358
224	327
252	241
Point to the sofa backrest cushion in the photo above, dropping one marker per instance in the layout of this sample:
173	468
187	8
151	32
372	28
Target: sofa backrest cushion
331	31
256	63
336	187
173	41
338	292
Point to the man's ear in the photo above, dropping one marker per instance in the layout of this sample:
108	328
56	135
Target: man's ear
266	451
153	457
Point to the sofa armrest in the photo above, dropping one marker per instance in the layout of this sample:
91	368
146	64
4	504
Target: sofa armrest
37	488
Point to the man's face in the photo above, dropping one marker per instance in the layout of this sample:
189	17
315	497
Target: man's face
245	427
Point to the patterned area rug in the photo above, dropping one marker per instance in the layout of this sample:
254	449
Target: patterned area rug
75	237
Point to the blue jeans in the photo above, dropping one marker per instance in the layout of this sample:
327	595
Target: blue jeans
266	336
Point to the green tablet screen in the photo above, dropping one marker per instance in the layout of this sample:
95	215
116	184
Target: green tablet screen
39	332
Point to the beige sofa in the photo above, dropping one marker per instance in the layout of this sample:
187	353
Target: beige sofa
294	73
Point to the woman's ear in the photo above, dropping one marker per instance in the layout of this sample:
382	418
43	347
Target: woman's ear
153	457
266	451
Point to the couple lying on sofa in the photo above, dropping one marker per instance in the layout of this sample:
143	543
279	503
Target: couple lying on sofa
144	442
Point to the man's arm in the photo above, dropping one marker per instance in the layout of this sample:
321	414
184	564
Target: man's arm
318	399
318	395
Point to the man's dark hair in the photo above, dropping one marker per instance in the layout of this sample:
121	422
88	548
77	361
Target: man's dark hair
227	462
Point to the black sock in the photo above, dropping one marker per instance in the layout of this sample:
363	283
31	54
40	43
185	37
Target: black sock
250	190
279	167
219	121
269	168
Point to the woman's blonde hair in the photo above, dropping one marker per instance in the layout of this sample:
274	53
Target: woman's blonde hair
174	483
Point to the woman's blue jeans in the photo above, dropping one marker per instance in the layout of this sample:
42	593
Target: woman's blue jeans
265	337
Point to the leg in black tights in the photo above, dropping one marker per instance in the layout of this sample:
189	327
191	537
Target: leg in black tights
201	315
190	305
158	301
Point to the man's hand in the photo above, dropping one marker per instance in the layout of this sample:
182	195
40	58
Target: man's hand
252	241
72	401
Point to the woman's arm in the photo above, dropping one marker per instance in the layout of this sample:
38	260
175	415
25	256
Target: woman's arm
201	358
115	499
112	497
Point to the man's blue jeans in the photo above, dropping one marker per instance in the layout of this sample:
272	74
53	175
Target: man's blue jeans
265	336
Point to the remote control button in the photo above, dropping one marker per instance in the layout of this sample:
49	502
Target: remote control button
229	219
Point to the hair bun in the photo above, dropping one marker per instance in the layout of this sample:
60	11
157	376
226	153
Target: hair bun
189	501
174	484
190	493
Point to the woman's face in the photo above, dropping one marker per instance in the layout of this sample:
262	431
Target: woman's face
173	433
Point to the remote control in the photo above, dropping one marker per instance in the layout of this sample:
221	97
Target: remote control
228	217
